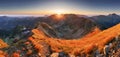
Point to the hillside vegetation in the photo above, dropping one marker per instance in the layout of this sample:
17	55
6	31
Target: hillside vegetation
76	46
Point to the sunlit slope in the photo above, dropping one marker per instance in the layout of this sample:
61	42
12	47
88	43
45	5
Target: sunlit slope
76	46
3	44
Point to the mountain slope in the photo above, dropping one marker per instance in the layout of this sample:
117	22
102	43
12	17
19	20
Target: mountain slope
70	25
78	46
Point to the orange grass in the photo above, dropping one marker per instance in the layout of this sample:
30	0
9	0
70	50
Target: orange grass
3	44
76	46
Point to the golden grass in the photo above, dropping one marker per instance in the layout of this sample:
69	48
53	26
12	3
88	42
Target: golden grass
97	39
3	44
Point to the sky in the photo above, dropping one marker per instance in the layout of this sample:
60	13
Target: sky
38	7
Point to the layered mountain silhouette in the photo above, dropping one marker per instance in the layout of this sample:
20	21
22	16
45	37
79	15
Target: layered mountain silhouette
68	24
106	21
103	21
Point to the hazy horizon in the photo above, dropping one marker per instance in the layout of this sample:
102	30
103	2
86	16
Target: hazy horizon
41	15
43	7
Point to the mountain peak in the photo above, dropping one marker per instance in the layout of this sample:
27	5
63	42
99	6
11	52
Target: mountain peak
113	14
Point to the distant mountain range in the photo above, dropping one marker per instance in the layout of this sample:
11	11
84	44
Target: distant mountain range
8	23
71	24
103	21
106	21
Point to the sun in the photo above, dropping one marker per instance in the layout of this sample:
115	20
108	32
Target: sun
58	14
59	11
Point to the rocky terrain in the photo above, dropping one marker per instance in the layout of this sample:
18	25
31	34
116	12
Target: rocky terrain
100	44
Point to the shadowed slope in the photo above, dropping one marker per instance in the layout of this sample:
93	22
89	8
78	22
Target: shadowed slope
70	26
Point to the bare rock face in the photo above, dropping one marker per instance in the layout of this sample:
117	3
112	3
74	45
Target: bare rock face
54	55
45	50
70	26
